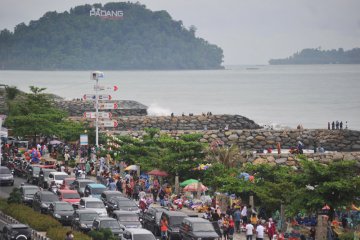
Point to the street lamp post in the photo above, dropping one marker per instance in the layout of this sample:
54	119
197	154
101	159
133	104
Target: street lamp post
95	76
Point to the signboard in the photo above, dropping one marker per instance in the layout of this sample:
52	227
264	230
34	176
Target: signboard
108	106
92	97
101	88
101	114
108	123
84	139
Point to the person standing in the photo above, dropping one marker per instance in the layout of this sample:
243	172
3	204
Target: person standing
328	125
249	231
244	214
270	228
333	125
341	125
88	168
337	125
237	219
260	232
164	228
231	228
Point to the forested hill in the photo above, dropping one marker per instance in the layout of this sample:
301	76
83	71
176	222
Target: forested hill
106	39
318	56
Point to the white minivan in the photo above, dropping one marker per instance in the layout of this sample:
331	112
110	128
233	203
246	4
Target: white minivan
57	177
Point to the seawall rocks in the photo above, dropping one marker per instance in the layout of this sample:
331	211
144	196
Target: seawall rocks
255	139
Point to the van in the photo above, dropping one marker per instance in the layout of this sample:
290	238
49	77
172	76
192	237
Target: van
57	177
94	190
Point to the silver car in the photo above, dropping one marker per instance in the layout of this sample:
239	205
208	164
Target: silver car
6	176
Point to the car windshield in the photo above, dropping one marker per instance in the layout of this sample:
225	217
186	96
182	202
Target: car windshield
128	218
71	196
112	224
83	184
49	198
64	207
30	191
4	171
97	190
88	216
36	170
143	237
127	204
203	227
60	177
95	205
176	220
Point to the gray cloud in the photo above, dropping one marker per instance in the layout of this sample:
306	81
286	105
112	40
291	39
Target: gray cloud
249	31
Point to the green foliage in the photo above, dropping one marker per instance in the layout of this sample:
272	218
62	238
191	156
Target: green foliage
143	39
318	56
33	114
347	236
59	233
27	215
102	234
11	92
15	196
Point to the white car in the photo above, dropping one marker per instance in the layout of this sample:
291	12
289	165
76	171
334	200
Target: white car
95	204
57	177
137	233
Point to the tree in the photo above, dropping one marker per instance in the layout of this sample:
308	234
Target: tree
33	115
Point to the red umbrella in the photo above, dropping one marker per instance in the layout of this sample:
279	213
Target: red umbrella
157	172
193	187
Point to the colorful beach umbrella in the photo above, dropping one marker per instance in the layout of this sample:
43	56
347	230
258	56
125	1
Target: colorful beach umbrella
159	173
193	187
187	182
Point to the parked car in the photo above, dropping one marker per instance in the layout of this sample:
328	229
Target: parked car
42	201
6	176
174	219
27	193
15	231
94	190
137	233
107	222
62	211
80	184
83	219
44	177
70	196
122	203
95	204
127	218
106	195
197	228
151	219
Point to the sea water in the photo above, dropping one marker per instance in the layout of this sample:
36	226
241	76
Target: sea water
311	95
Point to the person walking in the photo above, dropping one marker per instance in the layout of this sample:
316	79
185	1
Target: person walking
260	232
237	219
249	230
231	228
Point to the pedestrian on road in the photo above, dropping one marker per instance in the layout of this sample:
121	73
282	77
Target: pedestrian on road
231	228
260	232
237	219
270	228
249	230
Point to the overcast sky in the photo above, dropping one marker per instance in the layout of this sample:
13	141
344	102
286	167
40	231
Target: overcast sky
249	31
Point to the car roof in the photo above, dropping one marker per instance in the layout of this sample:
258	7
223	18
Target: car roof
138	230
121	198
30	187
47	193
174	213
3	167
123	212
196	219
59	173
61	202
70	178
96	185
67	191
109	192
85	211
48	170
91	199
18	225
105	218
85	180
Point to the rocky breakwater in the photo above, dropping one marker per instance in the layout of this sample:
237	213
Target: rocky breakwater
76	108
294	160
248	139
197	122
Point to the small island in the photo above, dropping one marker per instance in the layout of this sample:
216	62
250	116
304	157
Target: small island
318	56
114	36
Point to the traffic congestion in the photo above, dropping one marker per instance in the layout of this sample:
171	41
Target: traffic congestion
86	205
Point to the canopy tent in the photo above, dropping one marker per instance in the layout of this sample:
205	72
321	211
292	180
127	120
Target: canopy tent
187	182
193	187
159	173
55	142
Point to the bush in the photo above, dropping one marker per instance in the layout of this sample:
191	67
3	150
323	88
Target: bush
60	233
3	204
15	196
346	236
27	215
102	234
